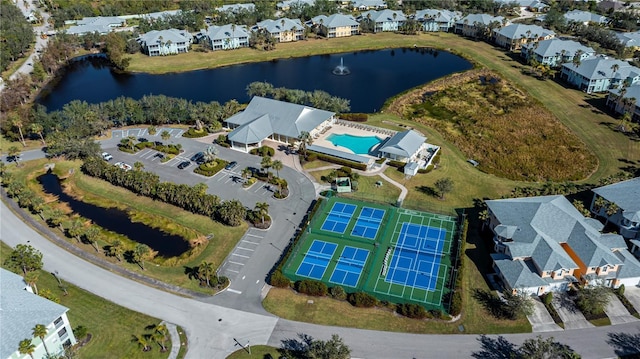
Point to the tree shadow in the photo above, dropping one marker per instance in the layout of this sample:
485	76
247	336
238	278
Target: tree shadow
129	257
192	272
296	348
625	345
430	191
491	302
498	348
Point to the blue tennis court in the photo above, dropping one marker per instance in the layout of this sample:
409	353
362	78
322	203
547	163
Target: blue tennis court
316	260
339	217
368	223
349	267
416	257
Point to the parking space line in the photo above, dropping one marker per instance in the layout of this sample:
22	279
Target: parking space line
245	249
244	240
234	291
231	270
238	263
253	235
239	255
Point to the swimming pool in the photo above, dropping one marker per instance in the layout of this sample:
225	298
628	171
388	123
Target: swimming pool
360	145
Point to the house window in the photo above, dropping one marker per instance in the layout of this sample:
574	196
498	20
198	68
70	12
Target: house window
604	269
62	333
58	322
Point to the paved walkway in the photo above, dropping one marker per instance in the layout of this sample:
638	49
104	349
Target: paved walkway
175	340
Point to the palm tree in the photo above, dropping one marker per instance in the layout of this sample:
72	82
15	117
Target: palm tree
91	235
277	165
614	68
37	128
138	166
305	140
116	249
265	164
40	331
160	333
26	347
612	209
142	342
16	121
32	278
140	252
263	209
76	229
165	135
206	268
246	174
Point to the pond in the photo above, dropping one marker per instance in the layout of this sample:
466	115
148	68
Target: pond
373	77
117	221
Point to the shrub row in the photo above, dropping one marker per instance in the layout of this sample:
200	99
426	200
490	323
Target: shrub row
263	151
337	160
396	164
362	300
206	169
312	287
409	310
355	117
456	300
426	170
193	133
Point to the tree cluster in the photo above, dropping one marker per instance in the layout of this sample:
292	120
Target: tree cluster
308	348
305	12
604	37
63	10
16	34
190	20
318	99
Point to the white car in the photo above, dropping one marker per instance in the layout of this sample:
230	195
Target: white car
123	166
107	156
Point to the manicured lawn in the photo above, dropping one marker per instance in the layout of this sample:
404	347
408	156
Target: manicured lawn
110	325
5	144
166	217
257	351
367	189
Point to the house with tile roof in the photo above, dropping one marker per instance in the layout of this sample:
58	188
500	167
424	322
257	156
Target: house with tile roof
434	20
364	5
165	42
512	37
336	25
626	197
227	37
473	24
278	121
403	146
544	244
554	52
384	20
283	30
21	310
100	24
599	74
625	99
585	17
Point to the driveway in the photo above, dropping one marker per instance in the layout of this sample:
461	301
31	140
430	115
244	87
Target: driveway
617	312
540	319
571	316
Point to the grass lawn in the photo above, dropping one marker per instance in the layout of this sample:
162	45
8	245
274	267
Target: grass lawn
257	351
367	189
110	325
166	217
5	144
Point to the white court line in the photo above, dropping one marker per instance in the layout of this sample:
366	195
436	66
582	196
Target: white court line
244	240
234	291
238	263
239	255
246	249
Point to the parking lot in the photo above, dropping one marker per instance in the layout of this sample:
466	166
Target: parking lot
241	254
142	132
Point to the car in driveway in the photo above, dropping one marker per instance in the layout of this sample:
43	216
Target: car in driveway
184	164
231	165
106	156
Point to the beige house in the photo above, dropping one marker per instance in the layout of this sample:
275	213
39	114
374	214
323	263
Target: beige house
336	25
512	37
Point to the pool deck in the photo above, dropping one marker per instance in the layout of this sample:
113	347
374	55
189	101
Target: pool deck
339	129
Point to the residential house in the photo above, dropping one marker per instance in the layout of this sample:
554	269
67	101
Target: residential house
165	42
607	6
433	20
512	37
228	37
161	14
287	4
599	74
336	25
21	310
283	30
473	25
629	39
544	244
404	146
279	121
364	5
525	5
384	20
235	8
554	52
101	24
625	99
585	17
626	197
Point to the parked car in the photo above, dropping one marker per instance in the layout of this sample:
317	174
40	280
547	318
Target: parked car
197	157
123	166
107	156
231	165
184	164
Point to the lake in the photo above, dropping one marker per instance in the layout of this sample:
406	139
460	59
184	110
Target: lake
374	77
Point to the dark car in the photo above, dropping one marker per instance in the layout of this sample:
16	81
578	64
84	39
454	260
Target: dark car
231	165
184	165
198	156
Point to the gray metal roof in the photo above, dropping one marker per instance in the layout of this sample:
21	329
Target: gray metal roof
369	4
161	14
88	29
173	35
20	311
102	20
404	144
340	154
629	39
237	7
480	19
277	26
518	273
601	67
517	31
625	194
555	47
289	3
632	91
335	20
585	16
385	15
438	15
227	32
630	266
264	116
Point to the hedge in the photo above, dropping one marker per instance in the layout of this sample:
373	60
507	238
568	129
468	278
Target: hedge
456	300
355	117
263	151
338	293
426	170
193	133
277	279
396	164
362	300
206	170
409	310
312	287
337	160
